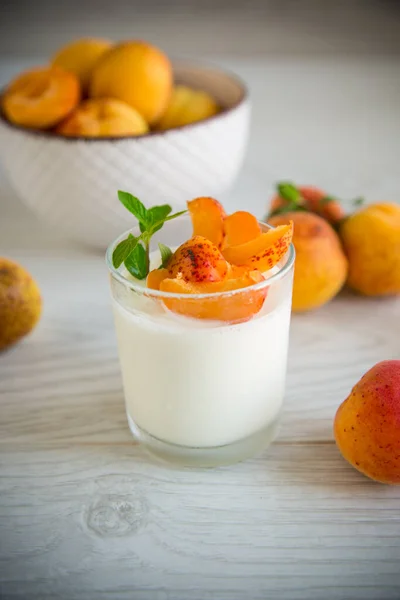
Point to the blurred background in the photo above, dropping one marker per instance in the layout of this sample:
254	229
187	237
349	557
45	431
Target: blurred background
244	28
324	77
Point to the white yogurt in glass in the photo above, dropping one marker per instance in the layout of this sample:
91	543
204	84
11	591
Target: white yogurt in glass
202	384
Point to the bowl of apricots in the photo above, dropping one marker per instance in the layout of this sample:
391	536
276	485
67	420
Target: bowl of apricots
101	115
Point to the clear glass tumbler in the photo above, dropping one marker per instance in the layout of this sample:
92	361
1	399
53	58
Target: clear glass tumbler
202	392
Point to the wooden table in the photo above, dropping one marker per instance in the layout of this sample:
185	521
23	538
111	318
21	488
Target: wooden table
85	514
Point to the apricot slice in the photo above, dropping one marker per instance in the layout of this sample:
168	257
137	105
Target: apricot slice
198	260
41	97
240	227
264	251
155	277
234	308
103	117
208	216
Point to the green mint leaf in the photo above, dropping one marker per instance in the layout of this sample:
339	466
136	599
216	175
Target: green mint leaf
326	200
157	214
122	251
137	262
166	254
358	201
135	255
175	215
289	192
134	206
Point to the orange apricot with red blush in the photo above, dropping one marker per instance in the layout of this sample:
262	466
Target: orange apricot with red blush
315	200
264	251
198	260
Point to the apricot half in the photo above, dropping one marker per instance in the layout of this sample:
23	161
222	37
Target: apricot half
264	251
234	308
240	227
208	215
103	117
198	260
41	97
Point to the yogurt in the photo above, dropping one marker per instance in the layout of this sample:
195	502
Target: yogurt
202	384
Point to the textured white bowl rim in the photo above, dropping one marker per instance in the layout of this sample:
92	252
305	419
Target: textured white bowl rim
93	140
284	269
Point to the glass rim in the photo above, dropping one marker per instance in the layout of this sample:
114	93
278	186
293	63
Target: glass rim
144	290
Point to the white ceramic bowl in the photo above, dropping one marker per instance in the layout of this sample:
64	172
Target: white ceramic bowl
72	183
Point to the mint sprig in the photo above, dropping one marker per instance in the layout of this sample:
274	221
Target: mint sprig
166	254
134	252
292	195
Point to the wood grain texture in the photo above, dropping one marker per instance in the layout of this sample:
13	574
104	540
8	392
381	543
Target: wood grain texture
84	514
295	523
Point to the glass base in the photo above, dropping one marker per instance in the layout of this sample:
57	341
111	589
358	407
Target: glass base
207	457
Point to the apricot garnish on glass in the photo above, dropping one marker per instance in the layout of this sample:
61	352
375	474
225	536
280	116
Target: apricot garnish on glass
233	308
208	215
41	97
198	260
264	251
155	277
240	227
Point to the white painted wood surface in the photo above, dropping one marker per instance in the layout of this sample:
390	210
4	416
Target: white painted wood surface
84	514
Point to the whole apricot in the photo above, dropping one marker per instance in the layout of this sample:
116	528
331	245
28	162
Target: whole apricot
80	56
20	303
371	239
187	106
41	97
321	266
136	73
309	197
367	424
103	117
